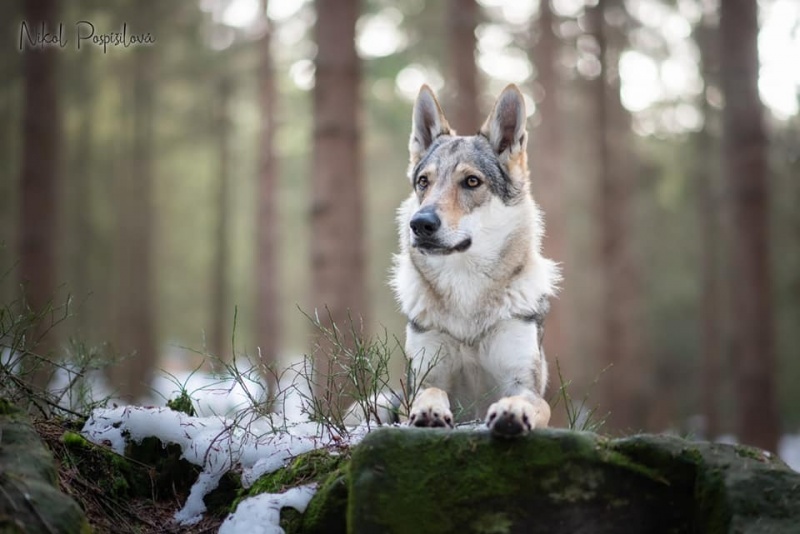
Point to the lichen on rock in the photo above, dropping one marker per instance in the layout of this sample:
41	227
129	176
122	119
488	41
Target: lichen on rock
553	481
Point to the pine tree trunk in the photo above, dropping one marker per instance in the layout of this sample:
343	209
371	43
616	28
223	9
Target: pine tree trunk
337	242
462	19
620	304
707	161
548	184
135	329
744	156
40	170
79	192
221	317
268	297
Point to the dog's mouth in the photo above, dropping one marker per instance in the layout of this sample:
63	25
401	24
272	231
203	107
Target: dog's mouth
435	248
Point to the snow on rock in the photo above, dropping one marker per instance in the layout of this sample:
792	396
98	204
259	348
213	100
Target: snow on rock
216	444
789	450
261	514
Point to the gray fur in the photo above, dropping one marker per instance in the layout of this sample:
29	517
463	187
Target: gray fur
447	151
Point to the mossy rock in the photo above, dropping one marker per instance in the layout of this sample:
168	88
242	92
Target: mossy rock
327	511
558	481
31	501
317	466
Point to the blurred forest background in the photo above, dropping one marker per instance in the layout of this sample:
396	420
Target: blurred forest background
252	157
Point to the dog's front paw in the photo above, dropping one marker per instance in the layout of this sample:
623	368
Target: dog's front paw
431	408
513	416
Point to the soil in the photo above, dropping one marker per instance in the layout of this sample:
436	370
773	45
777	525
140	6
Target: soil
84	477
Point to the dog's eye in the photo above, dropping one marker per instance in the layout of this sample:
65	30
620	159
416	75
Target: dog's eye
422	182
471	182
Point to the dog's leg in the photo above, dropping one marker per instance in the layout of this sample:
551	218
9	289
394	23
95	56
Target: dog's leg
431	365
511	355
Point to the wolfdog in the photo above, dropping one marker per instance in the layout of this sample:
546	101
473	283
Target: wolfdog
470	276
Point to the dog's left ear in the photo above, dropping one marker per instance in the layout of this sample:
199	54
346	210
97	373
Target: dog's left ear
505	126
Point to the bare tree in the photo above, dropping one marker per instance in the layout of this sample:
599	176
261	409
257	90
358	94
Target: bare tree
41	151
267	317
337	242
547	178
744	157
462	19
620	302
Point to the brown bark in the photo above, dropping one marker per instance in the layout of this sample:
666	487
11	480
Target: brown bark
708	216
40	170
268	297
548	183
744	156
135	329
337	242
218	342
619	309
462	19
79	193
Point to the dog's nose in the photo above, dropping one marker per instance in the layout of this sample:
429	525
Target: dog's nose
425	223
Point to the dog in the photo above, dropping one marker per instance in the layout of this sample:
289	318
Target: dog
470	276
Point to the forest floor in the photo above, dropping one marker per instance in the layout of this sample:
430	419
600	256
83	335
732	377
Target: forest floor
108	509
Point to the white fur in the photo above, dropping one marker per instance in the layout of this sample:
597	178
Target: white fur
481	353
461	276
470	339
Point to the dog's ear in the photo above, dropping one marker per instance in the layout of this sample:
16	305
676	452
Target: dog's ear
427	123
505	126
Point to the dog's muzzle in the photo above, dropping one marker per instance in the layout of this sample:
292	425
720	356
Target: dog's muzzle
424	225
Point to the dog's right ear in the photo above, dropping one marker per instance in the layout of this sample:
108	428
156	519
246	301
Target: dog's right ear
427	124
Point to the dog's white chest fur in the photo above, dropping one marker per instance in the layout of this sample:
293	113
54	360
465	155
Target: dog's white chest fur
467	294
469	276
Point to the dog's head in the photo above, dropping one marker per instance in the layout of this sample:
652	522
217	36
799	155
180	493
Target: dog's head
464	183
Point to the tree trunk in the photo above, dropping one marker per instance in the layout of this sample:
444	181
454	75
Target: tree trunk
135	329
268	297
218	343
548	182
708	196
462	19
744	156
79	193
337	242
619	308
40	170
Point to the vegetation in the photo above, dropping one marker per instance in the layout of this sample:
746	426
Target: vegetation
247	165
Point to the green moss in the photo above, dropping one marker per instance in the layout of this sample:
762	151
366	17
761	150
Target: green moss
427	481
291	521
120	486
467	481
326	513
6	408
312	466
743	451
182	403
73	439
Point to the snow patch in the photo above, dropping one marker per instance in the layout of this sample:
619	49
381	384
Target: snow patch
789	450
262	514
217	444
